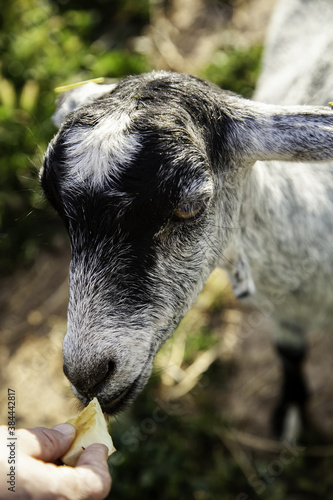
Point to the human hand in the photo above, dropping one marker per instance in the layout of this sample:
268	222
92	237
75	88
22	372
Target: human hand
37	475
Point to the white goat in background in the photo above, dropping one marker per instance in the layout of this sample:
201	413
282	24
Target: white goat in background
162	177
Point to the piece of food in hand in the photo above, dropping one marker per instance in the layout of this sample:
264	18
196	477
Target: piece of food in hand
91	427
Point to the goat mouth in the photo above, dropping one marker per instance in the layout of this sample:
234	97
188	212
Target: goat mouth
126	396
121	399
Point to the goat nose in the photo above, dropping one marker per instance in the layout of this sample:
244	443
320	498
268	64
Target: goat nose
88	379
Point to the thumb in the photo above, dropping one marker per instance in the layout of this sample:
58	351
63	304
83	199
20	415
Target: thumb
47	444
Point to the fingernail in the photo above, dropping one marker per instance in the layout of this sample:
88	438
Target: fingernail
66	429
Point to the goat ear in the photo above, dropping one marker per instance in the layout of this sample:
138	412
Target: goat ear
77	97
290	133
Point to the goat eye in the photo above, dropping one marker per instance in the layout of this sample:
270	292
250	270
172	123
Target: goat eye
189	211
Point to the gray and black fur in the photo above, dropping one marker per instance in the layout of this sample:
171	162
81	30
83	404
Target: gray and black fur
162	177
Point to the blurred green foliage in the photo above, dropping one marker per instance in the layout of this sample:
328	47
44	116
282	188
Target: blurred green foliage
180	450
235	69
44	44
166	452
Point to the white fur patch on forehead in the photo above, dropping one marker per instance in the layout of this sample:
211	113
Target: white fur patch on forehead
94	152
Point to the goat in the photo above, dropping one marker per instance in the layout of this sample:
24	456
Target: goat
162	177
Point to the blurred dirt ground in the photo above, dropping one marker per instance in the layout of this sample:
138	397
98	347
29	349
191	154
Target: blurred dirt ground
33	307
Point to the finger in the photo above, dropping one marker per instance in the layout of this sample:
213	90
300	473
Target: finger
39	480
90	480
46	444
96	455
94	458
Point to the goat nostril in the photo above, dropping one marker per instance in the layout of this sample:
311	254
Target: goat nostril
90	379
111	368
101	373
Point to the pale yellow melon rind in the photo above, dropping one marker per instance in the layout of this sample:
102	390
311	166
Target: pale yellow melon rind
91	427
